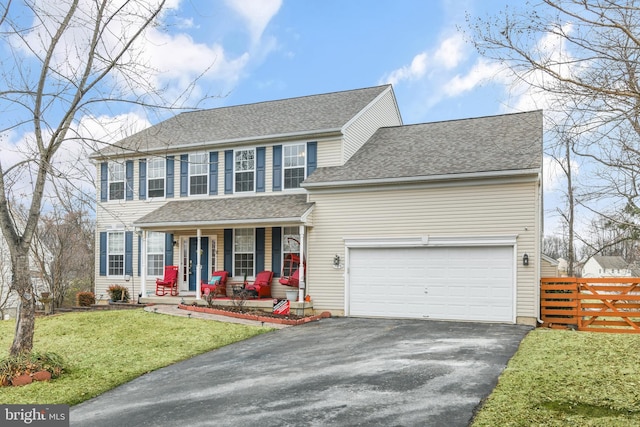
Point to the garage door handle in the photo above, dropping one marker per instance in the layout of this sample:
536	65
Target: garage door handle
426	291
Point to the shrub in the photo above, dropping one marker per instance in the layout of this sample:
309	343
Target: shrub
118	293
85	299
30	363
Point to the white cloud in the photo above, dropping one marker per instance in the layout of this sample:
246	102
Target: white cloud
257	14
447	55
481	71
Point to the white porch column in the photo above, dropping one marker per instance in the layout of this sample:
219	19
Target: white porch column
302	284
143	264
198	264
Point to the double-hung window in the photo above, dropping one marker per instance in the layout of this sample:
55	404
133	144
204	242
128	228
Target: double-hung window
244	170
290	241
243	252
155	254
156	177
115	253
116	181
198	173
294	165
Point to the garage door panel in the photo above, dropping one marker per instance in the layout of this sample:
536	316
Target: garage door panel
457	283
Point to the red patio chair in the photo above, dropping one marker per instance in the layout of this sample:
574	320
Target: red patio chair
261	287
170	281
217	287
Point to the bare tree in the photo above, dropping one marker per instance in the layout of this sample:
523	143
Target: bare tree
583	55
73	58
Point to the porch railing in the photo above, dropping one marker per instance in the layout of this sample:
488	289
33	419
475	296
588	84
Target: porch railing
591	304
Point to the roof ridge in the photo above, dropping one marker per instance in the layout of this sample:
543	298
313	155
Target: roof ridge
284	99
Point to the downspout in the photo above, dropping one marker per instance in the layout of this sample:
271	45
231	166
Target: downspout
143	264
302	284
539	248
198	264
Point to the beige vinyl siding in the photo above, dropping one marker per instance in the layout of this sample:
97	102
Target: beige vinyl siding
384	112
330	152
457	211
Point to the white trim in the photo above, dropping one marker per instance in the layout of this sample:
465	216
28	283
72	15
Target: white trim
436	181
148	161
254	170
430	241
304	165
124	179
233	251
189	175
275	139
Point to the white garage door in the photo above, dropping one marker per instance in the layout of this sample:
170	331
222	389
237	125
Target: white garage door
456	283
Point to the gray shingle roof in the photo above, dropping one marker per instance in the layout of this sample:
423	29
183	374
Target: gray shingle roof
611	262
497	143
232	210
306	114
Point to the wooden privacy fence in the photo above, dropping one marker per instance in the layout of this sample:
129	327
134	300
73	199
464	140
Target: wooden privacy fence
609	304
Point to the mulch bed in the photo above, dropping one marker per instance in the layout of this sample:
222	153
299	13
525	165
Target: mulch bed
258	315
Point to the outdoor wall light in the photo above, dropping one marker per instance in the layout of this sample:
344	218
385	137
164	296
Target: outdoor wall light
175	243
525	259
336	261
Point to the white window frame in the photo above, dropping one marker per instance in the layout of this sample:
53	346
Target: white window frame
156	171
249	232
287	163
287	246
198	167
113	235
156	251
113	178
237	171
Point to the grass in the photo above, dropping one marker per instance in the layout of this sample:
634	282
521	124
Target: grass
560	378
107	348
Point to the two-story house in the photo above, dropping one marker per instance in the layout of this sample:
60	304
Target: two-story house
437	220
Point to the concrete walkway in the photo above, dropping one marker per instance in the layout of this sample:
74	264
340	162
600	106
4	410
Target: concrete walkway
175	311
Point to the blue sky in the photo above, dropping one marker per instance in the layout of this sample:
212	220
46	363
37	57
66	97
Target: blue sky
308	47
261	50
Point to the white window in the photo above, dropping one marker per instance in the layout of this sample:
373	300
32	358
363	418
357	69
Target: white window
290	241
115	253
155	254
244	170
155	177
116	181
294	165
243	252
198	173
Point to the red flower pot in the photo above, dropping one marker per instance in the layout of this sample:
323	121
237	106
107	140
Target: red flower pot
23	379
42	376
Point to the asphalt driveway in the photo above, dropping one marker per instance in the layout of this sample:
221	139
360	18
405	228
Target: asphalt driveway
335	372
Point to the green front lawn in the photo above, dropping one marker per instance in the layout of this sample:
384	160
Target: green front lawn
567	378
104	349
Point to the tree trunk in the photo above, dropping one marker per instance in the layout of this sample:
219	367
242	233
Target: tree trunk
25	321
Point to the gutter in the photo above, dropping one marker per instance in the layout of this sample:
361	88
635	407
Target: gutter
321	133
416	179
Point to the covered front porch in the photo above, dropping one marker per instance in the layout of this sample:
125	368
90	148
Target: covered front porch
241	236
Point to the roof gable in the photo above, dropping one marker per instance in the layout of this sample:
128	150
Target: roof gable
511	142
308	114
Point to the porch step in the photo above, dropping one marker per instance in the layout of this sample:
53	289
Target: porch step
264	304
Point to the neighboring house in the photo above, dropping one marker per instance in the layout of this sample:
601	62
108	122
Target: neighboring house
551	267
606	266
9	300
431	220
